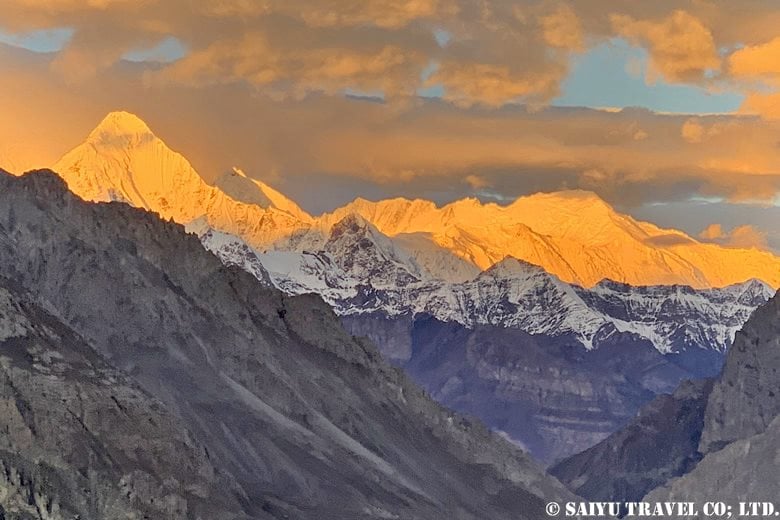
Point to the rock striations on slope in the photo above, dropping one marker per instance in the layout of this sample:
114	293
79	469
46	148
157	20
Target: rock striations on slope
719	438
740	440
82	440
305	420
660	443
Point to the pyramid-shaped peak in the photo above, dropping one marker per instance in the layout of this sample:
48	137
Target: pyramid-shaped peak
120	124
353	222
511	266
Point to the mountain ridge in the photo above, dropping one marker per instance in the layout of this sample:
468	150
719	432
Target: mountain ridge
309	421
574	234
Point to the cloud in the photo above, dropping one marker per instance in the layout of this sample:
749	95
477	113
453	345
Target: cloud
629	156
494	85
692	131
294	47
497	51
682	48
562	29
745	236
261	86
757	61
477	182
766	105
298	71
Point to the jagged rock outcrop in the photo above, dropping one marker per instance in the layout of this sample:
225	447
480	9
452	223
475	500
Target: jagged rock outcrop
743	471
82	440
717	438
309	422
741	435
746	397
661	443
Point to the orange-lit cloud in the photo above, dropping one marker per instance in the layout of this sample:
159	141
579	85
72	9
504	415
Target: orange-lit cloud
681	47
562	28
297	71
744	236
495	51
261	84
758	61
628	156
765	105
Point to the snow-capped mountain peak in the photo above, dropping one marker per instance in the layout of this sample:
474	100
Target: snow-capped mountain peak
119	124
575	235
241	187
511	267
369	256
122	160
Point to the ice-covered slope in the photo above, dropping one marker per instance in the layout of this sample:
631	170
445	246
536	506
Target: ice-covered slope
574	235
356	279
230	249
122	160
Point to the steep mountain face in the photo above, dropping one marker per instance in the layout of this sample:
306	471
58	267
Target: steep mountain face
307	421
746	397
716	438
548	394
366	274
573	234
744	470
81	440
122	160
230	249
661	443
741	436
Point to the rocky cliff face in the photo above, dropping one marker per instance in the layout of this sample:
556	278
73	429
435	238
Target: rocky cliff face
307	421
661	443
746	397
82	440
741	435
548	394
718	438
744	470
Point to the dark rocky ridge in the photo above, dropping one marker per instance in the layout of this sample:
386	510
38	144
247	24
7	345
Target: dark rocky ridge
81	440
746	396
309	422
661	443
741	435
718	438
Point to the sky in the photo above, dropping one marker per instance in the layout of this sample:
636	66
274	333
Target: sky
670	110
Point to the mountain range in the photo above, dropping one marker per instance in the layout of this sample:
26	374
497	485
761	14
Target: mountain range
142	378
381	257
550	270
716	437
574	235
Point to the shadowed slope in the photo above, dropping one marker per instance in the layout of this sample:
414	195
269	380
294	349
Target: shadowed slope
309	422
